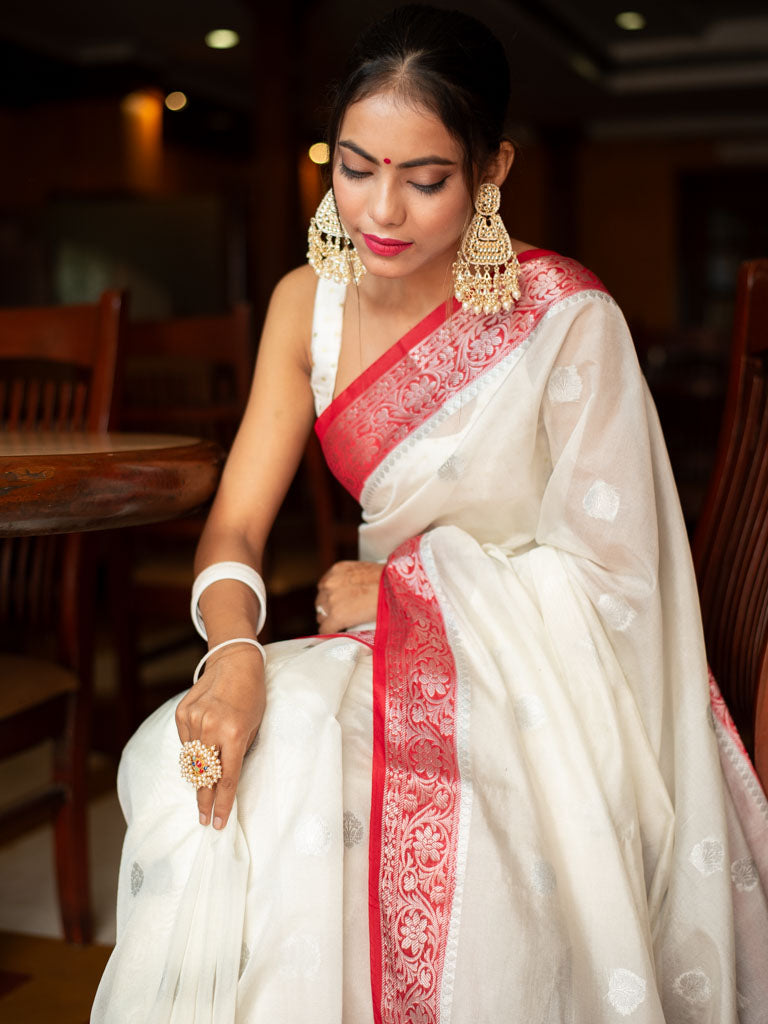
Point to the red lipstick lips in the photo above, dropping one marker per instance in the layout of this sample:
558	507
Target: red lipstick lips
386	246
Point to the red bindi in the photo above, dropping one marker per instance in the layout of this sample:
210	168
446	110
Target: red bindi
387	160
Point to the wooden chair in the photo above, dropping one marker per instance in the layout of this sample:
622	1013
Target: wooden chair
187	375
337	514
731	542
57	369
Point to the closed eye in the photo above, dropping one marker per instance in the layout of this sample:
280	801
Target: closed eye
430	189
349	173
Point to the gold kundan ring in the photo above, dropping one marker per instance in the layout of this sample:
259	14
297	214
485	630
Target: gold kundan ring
200	765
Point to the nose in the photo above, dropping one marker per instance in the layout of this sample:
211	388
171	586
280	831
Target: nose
385	206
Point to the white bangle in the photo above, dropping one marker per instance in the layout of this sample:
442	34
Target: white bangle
226	643
239	571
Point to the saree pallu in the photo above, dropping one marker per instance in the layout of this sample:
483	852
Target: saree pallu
518	800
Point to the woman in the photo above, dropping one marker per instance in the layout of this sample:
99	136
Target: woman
507	803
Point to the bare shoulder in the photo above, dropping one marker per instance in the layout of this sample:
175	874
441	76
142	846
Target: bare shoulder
294	294
288	325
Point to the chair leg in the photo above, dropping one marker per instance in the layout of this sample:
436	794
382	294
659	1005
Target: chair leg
71	826
71	851
124	636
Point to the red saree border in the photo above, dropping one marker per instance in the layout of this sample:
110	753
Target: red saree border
380	366
424	327
532	254
418	375
415	798
722	715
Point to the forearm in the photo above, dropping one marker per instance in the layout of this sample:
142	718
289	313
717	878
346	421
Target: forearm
258	472
223	543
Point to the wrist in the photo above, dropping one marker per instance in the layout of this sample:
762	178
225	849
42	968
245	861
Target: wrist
226	645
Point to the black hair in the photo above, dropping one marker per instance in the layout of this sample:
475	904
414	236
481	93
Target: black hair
445	61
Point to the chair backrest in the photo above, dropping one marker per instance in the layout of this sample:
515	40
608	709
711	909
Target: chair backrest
57	372
57	365
336	513
731	542
187	375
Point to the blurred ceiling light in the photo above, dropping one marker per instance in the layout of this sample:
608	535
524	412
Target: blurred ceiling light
631	21
140	104
176	101
142	129
318	153
222	39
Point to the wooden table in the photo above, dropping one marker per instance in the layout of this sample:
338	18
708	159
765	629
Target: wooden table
66	483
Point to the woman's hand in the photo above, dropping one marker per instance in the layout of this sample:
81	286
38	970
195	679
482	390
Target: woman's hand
224	709
347	595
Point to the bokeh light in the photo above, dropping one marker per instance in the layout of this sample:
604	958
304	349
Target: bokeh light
222	39
631	21
175	100
140	104
318	153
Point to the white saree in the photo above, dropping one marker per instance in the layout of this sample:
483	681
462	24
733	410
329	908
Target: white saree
517	801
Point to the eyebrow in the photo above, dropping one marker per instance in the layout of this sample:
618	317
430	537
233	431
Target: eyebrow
421	161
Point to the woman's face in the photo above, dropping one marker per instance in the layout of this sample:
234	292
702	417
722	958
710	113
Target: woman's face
399	185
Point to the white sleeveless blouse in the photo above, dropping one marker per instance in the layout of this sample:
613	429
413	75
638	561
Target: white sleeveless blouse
327	321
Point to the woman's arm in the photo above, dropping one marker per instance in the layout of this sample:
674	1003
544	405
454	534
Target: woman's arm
226	706
272	435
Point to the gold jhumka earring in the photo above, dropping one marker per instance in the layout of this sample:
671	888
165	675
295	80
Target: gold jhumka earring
486	269
331	253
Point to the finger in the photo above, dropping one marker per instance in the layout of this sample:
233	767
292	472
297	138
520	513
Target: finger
226	788
203	796
205	804
329	624
230	744
322	601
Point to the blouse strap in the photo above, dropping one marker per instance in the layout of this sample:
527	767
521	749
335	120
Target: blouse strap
327	322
